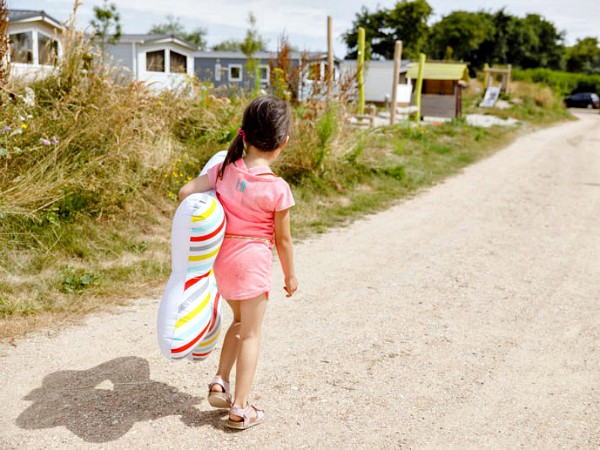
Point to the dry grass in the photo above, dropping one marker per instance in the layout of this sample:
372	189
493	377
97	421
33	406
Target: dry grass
89	174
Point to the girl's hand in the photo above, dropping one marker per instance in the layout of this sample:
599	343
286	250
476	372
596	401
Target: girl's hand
291	285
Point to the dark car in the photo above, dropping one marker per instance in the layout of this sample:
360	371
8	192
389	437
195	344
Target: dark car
583	100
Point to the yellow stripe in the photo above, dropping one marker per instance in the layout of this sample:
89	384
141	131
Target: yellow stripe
207	343
206	214
193	313
201	257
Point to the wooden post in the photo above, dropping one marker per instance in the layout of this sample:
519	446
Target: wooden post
419	86
329	74
397	64
486	74
361	68
508	71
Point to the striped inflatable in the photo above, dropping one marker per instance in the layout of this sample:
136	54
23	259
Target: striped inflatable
189	316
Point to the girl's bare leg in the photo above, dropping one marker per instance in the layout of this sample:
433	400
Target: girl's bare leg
231	344
252	313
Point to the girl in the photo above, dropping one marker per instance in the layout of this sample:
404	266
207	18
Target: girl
257	205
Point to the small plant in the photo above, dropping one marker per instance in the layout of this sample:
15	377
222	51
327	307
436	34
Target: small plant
76	281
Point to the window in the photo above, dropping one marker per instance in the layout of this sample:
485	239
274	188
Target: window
235	72
178	62
155	61
263	71
47	50
21	49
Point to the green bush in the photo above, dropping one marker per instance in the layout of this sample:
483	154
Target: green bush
564	83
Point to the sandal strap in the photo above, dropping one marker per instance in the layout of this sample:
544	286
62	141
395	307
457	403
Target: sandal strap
221	382
244	413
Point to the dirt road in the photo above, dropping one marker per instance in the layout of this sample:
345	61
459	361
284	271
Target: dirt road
467	317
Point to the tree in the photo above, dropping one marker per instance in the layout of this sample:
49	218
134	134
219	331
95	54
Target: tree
106	24
584	56
534	42
460	36
407	22
252	43
174	27
229	45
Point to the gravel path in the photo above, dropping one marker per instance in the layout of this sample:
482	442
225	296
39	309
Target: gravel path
466	317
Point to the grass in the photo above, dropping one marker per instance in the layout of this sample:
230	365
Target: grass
90	171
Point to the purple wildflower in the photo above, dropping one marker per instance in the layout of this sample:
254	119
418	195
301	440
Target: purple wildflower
45	141
6	128
54	140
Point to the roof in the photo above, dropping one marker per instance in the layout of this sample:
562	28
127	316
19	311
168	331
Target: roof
440	71
312	56
29	15
155	39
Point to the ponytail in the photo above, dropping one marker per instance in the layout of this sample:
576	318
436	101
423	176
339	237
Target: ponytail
235	152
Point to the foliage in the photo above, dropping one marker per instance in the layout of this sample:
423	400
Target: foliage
252	43
406	21
476	37
584	56
229	45
285	77
460	36
562	82
173	26
106	24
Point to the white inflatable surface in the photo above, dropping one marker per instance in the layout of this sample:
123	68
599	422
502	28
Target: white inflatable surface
189	316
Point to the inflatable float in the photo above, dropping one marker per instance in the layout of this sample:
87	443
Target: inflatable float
189	315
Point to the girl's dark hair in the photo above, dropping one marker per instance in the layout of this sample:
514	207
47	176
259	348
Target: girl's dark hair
265	126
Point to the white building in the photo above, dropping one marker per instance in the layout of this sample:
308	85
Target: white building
379	76
162	61
35	44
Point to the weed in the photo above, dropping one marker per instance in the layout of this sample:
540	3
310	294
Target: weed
75	281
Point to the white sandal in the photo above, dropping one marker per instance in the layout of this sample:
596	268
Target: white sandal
219	399
247	421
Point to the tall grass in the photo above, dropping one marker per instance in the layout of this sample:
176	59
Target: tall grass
89	173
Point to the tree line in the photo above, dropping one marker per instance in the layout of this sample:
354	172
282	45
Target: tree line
481	37
495	38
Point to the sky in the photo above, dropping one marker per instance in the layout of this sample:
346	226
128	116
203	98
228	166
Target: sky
305	21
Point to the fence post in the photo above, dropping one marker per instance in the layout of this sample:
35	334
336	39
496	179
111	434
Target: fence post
329	75
361	68
397	64
419	86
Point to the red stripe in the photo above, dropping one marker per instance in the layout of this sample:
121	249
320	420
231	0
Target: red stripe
200	355
208	236
189	344
192	281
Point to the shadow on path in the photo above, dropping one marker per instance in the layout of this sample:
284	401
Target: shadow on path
101	404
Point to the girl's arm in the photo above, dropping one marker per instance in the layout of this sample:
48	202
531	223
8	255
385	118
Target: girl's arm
199	184
285	250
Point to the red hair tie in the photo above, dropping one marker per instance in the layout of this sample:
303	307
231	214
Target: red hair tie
241	133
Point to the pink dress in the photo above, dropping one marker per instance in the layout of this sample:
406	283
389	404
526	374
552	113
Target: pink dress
250	198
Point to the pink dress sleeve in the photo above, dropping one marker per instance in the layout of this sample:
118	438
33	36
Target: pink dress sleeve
283	198
212	174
